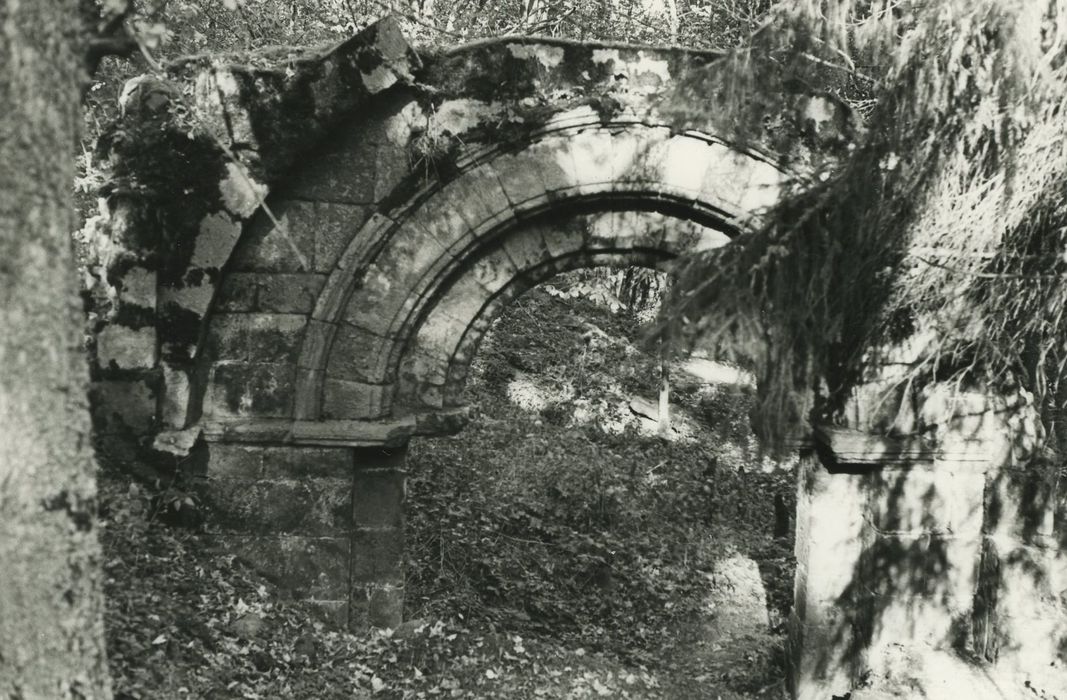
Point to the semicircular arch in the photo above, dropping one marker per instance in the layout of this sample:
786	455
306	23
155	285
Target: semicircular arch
404	308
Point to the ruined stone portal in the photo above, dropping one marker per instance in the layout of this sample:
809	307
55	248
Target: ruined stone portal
343	241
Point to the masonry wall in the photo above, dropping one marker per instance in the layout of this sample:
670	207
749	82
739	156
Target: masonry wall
933	567
324	524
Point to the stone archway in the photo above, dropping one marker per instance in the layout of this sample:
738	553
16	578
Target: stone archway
409	293
384	351
307	350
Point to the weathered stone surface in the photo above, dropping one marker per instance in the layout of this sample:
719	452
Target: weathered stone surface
243	389
938	499
360	355
737	602
277	292
256	337
303	567
317	506
288	246
378	496
344	399
377	554
118	347
123	405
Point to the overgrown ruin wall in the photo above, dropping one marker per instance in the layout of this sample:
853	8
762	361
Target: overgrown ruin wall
296	257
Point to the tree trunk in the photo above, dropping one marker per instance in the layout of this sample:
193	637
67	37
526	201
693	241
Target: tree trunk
51	626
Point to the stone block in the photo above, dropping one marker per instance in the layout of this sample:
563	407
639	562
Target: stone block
214	243
389	290
288	247
310	506
591	158
241	389
478	198
427	361
139	287
346	172
941	498
562	240
338	224
274	337
378	498
1020	504
123	406
289	293
307	402
360	356
526	248
303	567
493	270
235	461
342	399
237	292
520	176
227	337
304	462
378	605
464	301
174	408
377	554
119	347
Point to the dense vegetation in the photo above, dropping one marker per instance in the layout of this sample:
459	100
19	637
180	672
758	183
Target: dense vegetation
554	549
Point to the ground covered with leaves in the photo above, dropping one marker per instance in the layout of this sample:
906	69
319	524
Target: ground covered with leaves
558	548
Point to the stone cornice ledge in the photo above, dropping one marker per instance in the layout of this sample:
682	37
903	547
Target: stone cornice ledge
337	433
850	447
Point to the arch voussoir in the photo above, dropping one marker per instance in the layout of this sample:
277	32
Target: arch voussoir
419	281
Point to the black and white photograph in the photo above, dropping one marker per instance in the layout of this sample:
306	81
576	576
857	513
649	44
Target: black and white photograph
533	349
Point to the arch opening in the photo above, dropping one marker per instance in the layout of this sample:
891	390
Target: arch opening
565	424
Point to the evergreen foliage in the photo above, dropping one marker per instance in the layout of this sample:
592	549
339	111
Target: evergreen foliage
944	223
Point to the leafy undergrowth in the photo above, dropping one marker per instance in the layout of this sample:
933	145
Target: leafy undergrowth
549	556
184	621
545	520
